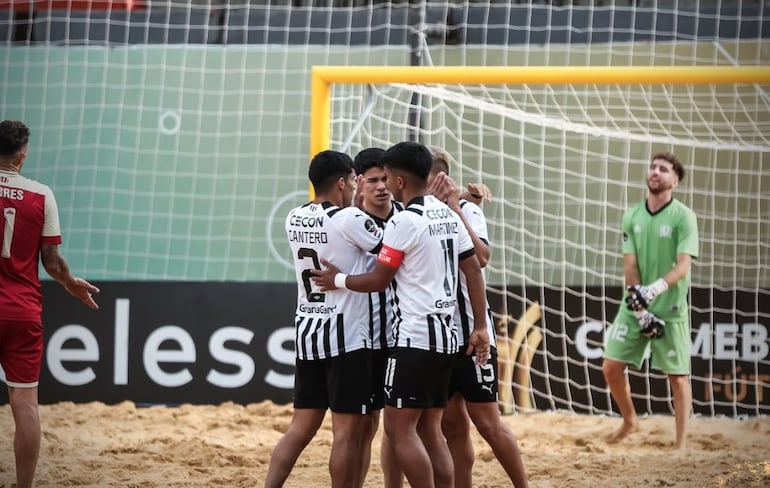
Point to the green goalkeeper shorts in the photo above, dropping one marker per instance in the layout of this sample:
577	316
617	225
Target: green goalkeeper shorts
624	342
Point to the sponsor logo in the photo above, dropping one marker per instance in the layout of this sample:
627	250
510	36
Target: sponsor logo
445	303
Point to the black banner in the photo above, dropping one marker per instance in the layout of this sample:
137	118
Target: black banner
730	351
179	342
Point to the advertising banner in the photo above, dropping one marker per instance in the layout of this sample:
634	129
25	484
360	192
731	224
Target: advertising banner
210	342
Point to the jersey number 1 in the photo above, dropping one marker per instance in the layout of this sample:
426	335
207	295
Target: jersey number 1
9	216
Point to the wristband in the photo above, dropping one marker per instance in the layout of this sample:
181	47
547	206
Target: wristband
658	287
339	281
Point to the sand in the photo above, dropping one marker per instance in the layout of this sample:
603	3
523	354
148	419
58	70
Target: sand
229	445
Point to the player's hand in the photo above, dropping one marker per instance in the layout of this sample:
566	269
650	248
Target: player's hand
83	290
324	278
438	187
477	193
478	346
358	196
651	326
640	297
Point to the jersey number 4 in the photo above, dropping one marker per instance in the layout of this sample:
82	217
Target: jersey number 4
307	253
9	220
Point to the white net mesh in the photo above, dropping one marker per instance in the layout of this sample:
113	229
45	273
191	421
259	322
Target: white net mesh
175	135
563	163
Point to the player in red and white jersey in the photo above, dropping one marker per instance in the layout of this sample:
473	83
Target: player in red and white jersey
29	230
333	345
473	388
424	247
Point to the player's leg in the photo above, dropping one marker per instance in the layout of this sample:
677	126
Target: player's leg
26	440
671	354
378	359
21	356
478	385
416	381
455	424
682	391
349	377
623	345
391	471
311	399
429	430
304	425
620	389
369	430
411	454
486	418
347	445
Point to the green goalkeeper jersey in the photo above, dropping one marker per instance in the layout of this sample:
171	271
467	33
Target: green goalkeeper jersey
656	240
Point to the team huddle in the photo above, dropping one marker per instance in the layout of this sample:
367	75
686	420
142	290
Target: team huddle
396	273
391	316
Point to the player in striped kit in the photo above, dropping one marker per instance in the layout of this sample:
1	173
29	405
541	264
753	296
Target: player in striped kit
423	249
29	227
660	240
333	346
375	199
473	388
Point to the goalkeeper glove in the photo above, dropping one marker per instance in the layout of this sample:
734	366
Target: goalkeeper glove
639	297
650	325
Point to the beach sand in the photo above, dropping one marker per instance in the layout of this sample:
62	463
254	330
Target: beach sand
229	445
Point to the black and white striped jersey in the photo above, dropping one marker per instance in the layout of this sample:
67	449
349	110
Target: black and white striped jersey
332	322
425	242
381	303
464	312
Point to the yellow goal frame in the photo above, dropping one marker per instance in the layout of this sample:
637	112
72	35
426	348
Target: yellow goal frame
322	77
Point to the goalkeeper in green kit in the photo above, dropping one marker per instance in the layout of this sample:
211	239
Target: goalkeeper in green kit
660	240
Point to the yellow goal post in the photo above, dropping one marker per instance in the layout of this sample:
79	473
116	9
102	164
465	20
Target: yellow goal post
323	77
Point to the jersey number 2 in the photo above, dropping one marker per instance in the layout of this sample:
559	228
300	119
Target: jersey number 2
9	216
312	296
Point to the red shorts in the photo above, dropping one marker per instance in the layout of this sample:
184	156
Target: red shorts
21	352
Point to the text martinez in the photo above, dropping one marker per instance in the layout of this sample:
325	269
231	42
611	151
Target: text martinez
441	228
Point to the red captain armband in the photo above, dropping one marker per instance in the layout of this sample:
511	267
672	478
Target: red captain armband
391	257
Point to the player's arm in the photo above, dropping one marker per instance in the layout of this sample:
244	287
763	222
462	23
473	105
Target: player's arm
330	278
631	270
640	296
56	266
478	342
477	193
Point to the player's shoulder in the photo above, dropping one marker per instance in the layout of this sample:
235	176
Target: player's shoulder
470	208
16	180
680	206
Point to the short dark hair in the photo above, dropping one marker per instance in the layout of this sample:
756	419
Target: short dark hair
14	136
367	159
327	167
667	156
412	157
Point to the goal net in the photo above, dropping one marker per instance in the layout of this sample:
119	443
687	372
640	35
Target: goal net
563	162
175	135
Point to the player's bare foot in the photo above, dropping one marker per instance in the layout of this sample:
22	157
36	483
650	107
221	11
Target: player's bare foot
626	429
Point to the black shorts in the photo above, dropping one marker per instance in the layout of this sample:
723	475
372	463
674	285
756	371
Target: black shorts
415	378
379	360
475	383
341	384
